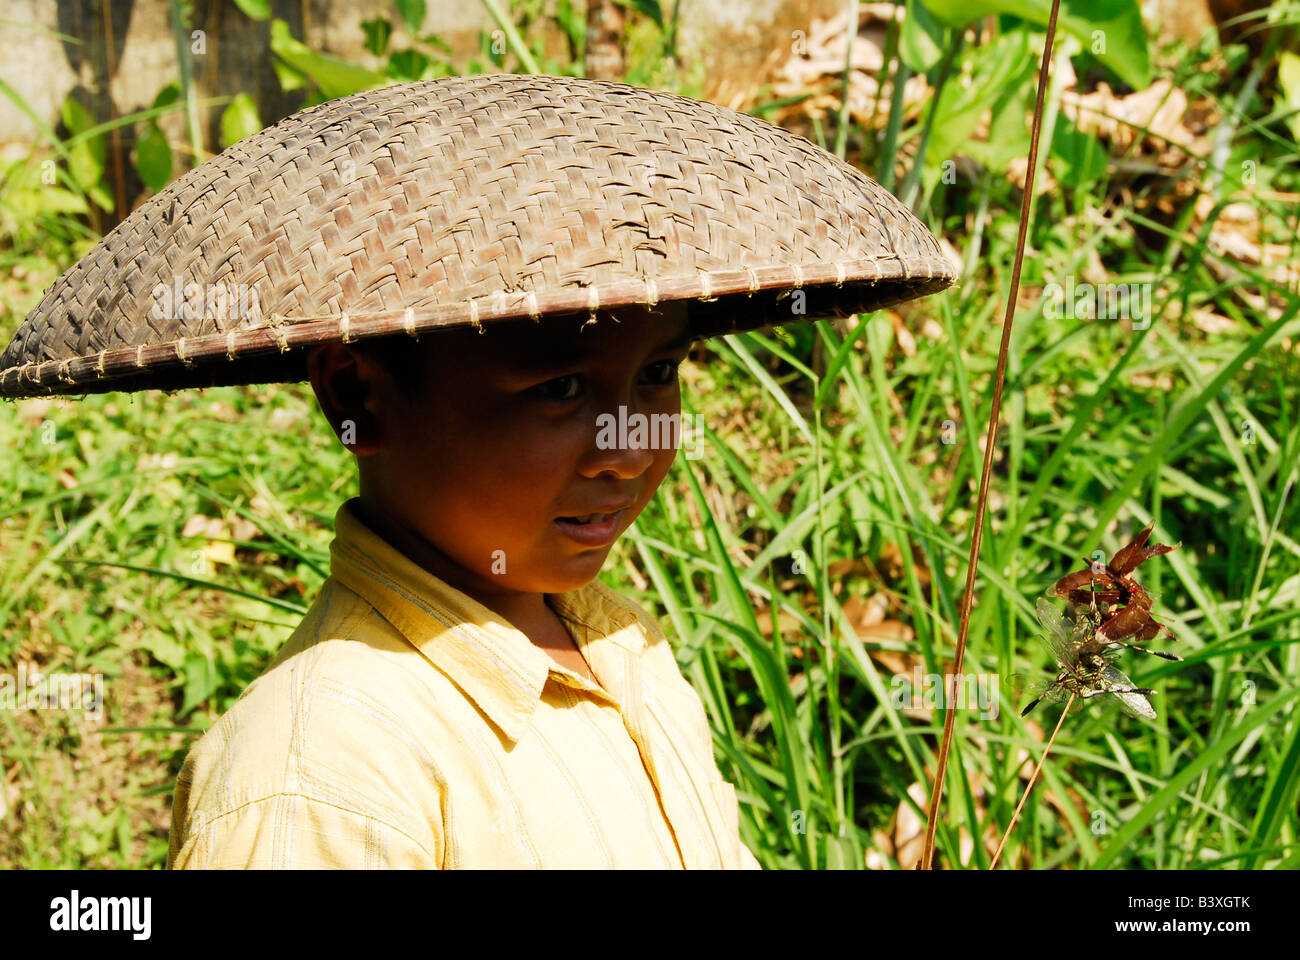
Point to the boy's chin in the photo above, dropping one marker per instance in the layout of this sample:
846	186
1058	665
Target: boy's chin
572	573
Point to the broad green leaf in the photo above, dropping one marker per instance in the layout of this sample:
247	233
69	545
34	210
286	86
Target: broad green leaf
1111	30
87	162
290	79
41	199
239	120
75	117
494	51
1009	131
409	65
200	681
377	31
334	77
167	95
434	40
255	9
921	42
85	157
649	8
412	14
1288	80
153	157
993	69
1081	159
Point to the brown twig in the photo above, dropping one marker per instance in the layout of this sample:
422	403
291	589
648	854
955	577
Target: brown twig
1033	777
977	534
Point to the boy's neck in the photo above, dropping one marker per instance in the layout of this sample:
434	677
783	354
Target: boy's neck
528	612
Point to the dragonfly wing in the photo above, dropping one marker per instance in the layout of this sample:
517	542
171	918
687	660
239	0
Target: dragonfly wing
1032	692
1058	637
1134	704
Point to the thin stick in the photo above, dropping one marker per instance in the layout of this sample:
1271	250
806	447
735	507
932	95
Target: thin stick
977	535
1033	777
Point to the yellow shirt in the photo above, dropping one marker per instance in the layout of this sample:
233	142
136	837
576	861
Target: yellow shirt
405	725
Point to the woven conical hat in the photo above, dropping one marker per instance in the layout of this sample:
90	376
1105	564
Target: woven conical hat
469	200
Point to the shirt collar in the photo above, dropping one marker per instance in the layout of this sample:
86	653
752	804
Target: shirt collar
487	657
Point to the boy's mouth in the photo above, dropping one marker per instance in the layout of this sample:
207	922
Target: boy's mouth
591	530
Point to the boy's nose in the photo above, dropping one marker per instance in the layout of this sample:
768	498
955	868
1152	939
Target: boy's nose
627	463
624	443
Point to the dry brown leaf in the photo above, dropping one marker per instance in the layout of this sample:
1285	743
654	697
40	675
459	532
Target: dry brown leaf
194	525
241	529
788	622
909	829
33	411
1160	108
902	336
882	847
222	411
1044	182
816	63
887	630
899	664
891	564
865	611
1207	321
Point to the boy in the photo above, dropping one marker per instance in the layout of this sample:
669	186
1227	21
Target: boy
464	692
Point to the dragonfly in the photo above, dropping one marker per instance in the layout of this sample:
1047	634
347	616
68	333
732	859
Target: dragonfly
1085	662
1126	605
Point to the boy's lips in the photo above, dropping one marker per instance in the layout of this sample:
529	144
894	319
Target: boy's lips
591	529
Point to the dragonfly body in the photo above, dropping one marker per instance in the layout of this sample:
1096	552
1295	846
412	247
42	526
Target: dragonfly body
1084	667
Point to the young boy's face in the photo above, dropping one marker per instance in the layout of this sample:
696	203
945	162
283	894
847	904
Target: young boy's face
474	477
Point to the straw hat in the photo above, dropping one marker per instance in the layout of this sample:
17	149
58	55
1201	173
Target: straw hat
468	200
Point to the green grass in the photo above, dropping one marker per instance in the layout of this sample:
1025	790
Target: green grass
838	466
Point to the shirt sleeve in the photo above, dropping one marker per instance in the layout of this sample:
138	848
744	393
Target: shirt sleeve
295	832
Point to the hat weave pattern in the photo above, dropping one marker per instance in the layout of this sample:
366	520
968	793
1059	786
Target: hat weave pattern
468	200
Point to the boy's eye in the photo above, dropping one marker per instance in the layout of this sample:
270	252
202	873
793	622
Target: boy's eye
569	387
663	373
561	388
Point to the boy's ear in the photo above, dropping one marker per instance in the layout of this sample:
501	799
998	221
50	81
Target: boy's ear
344	382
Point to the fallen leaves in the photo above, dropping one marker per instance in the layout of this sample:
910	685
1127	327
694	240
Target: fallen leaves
218	550
817	63
1151	122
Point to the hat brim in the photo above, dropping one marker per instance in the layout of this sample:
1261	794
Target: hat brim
470	200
